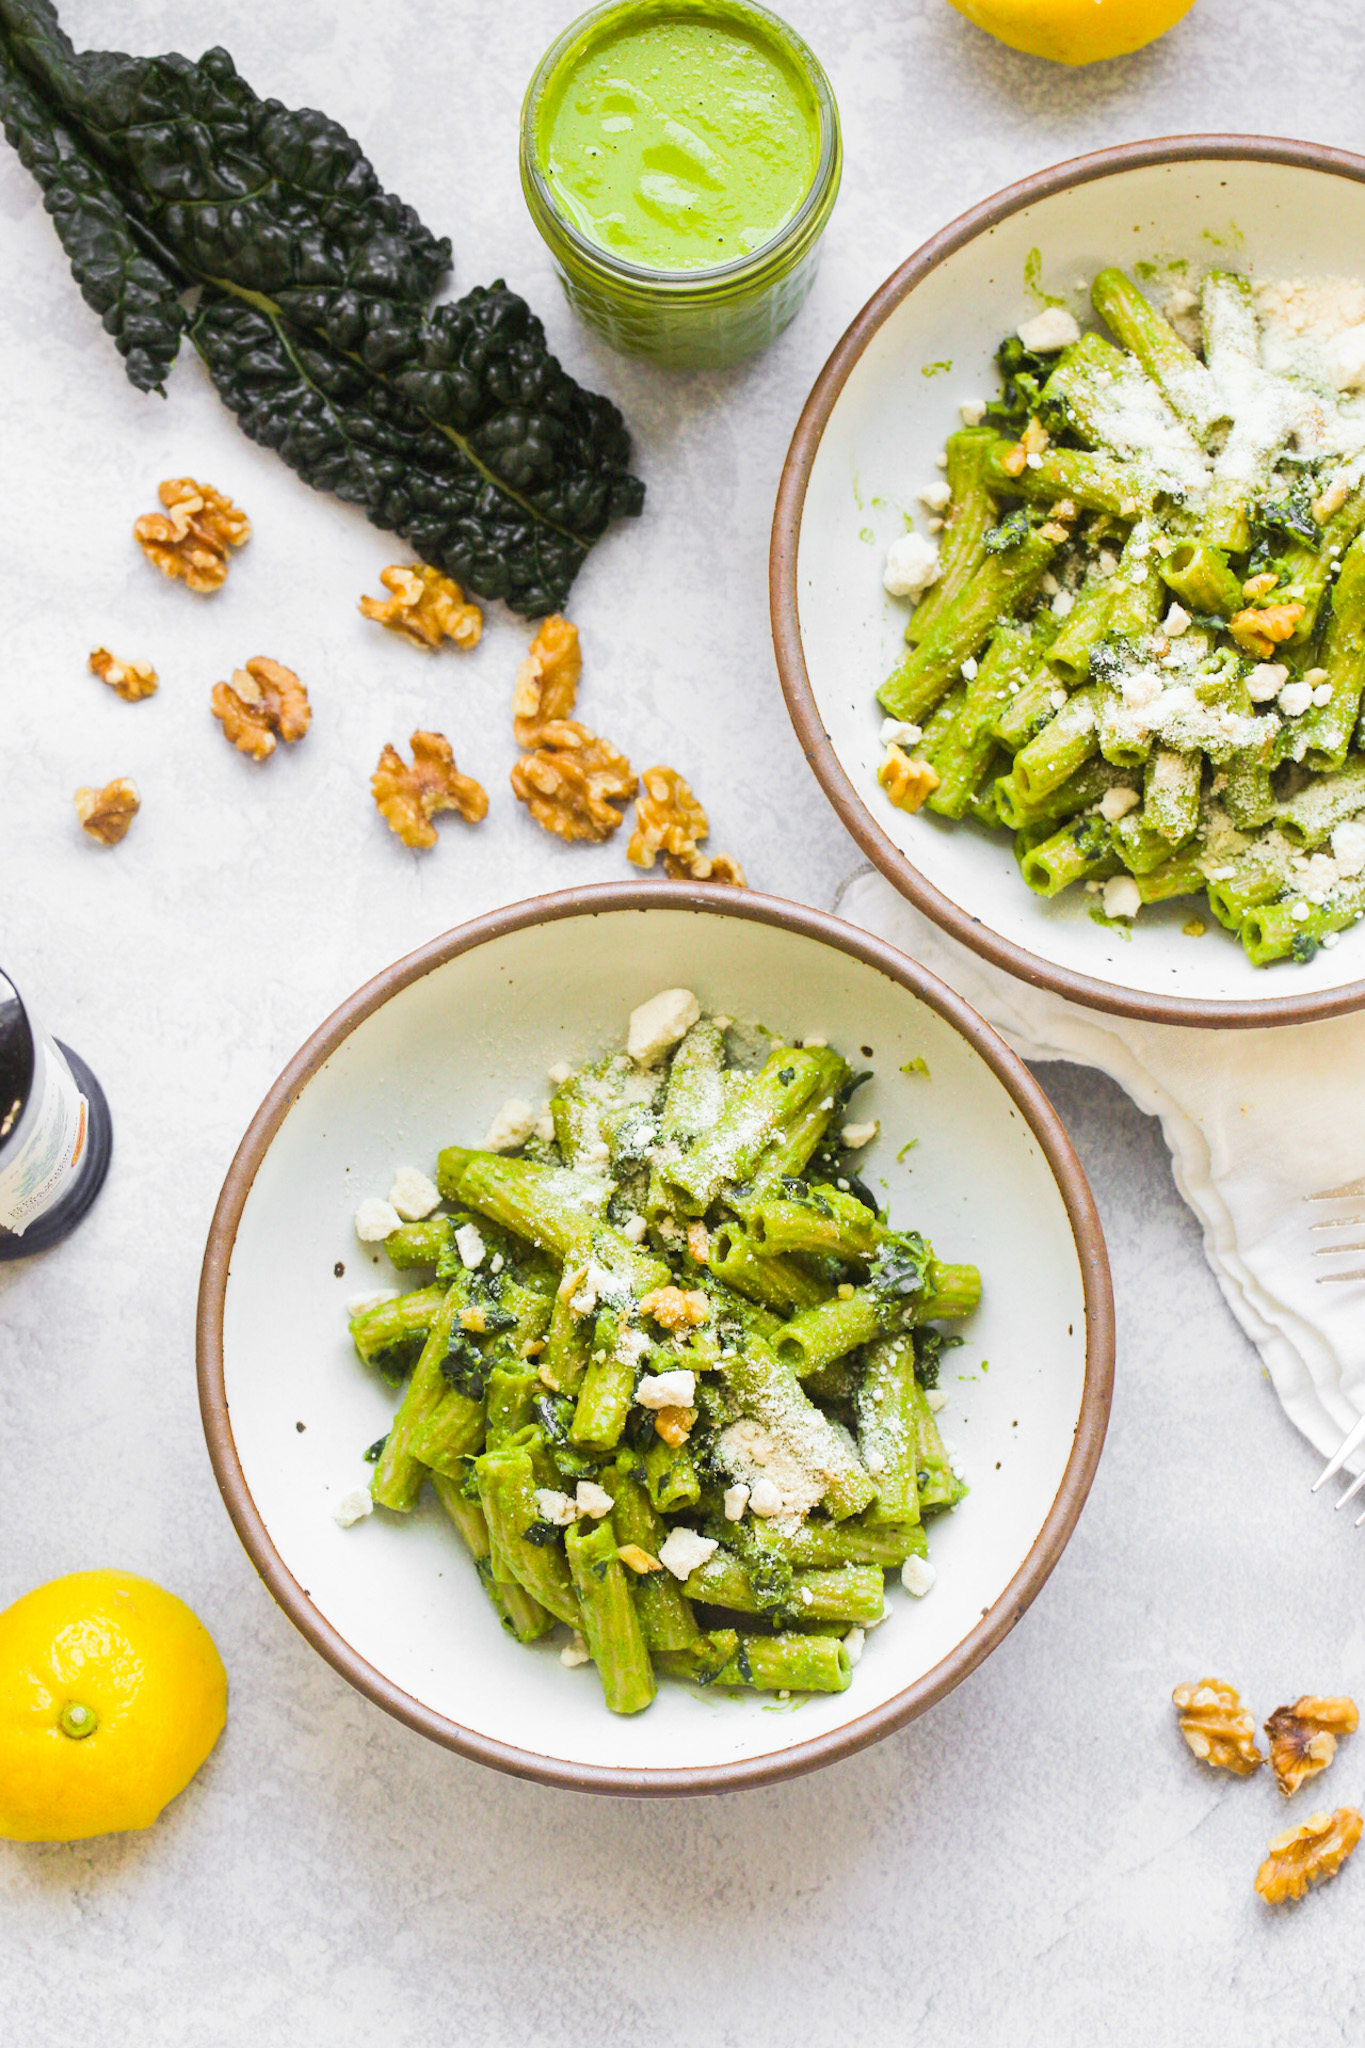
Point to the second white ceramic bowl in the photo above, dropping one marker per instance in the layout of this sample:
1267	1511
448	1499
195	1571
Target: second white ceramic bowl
423	1057
867	442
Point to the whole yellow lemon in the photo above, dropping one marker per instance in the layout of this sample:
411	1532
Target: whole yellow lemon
1075	31
111	1696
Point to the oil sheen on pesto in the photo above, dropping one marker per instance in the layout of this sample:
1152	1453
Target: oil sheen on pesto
679	143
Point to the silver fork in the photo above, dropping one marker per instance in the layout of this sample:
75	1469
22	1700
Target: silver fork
1349	1191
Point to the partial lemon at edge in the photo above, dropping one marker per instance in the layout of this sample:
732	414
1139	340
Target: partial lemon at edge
1075	31
111	1696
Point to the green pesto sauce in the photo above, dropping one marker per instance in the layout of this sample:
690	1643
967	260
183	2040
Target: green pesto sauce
679	143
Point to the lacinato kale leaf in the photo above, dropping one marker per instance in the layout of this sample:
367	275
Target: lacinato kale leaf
452	425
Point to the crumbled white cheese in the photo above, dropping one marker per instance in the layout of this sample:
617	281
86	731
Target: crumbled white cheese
592	1499
1063	604
556	1507
855	1136
853	1644
817	1037
1345	355
1048	331
470	1245
635	1229
1348	846
765	1499
936	495
736	1499
1176	622
560	1072
1107	562
912	564
917	1576
1330	939
1181	300
595	1282
969	668
1266	680
1299	912
1294	699
358	1303
545	1127
1322	695
973	411
659	1023
1117	802
575	1652
413	1195
896	732
937	1400
1058	700
353	1507
1122	897
632	1345
1033	460
667	1389
874	1460
685	1551
512	1125
596	1153
375	1220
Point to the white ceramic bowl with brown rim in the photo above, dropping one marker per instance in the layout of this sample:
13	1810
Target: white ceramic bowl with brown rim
867	441
422	1057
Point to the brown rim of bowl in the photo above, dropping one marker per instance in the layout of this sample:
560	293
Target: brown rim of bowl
1052	1538
784	607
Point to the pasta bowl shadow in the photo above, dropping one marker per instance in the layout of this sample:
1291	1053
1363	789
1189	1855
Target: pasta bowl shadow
868	441
968	1150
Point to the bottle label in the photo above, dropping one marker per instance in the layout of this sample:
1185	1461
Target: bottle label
50	1142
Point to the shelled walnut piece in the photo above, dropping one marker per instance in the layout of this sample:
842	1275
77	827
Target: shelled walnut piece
131	680
907	781
262	700
669	820
570	779
106	814
1217	1727
1308	1854
408	798
1303	1738
425	607
191	540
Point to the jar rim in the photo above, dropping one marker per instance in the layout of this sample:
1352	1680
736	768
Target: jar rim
819	196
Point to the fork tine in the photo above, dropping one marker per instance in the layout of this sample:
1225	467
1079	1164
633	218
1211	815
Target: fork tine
1356	1273
1353	1438
1347	1188
1352	1490
1334	1251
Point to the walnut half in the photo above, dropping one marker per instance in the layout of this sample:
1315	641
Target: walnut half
1217	1727
106	814
1303	1738
1308	1855
571	779
669	820
191	540
263	699
131	680
906	780
425	607
409	798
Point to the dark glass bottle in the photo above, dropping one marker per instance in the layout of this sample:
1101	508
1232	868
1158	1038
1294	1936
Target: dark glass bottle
55	1133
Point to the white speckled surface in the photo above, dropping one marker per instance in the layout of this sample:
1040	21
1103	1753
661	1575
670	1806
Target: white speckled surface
1036	1858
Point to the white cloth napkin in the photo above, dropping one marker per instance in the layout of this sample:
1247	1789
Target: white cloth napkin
1256	1122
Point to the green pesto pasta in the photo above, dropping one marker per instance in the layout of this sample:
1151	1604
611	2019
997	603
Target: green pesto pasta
1141	650
674	1380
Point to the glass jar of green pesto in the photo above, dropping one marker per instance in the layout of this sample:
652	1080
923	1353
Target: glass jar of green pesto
681	159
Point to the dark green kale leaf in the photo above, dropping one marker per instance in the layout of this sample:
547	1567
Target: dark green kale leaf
137	301
1276	521
997	540
453	426
901	1265
1023	375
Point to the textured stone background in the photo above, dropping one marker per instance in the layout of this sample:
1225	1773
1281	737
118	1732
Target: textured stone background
1036	1857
